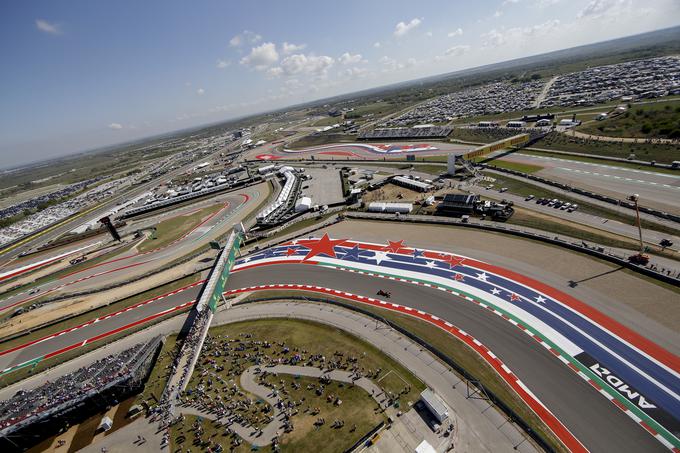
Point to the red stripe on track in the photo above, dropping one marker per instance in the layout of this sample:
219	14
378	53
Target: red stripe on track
565	436
22	346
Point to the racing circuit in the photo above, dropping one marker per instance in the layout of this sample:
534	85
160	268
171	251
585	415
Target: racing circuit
564	355
366	151
134	263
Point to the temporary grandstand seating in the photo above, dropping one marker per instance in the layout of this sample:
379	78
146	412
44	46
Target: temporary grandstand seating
407	132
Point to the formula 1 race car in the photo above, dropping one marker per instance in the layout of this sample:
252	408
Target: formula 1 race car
385	294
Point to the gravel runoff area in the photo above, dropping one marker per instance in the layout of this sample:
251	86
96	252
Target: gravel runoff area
640	304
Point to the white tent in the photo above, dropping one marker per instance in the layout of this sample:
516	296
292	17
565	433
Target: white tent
105	424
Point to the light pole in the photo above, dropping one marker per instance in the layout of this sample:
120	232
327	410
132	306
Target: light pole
640	258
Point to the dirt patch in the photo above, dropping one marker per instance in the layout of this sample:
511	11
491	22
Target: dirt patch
393	192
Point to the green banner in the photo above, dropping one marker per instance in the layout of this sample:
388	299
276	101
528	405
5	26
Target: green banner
222	282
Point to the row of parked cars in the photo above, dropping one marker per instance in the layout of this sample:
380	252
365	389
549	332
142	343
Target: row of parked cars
555	203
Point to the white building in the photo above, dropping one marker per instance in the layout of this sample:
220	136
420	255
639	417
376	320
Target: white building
435	405
401	208
304	204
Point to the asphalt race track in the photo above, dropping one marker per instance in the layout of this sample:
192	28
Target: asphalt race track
571	399
594	420
353	151
132	263
656	189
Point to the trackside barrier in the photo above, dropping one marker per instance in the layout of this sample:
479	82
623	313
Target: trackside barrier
515	140
621	261
512	415
182	198
360	443
585	193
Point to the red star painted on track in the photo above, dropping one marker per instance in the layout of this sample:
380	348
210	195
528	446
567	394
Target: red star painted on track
453	261
394	247
514	297
322	246
459	277
290	251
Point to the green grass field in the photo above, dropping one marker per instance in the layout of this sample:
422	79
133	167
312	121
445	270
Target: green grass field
524	188
599	161
517	166
662	153
172	229
238	344
657	120
470	361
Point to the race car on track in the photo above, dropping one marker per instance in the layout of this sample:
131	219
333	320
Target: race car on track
384	294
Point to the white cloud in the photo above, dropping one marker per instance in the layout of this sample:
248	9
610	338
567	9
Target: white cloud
456	32
347	58
546	3
275	71
518	35
390	64
402	27
377	45
428	34
509	2
221	64
498	13
355	72
457	50
261	57
303	64
598	8
235	41
200	92
44	26
288	48
246	36
115	126
493	38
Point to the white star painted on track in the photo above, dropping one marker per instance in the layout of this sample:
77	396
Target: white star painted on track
246	259
380	256
430	264
495	291
294	242
483	277
541	299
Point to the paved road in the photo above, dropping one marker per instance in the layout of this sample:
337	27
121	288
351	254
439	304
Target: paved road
583	410
480	428
67	226
344	151
656	189
580	217
133	264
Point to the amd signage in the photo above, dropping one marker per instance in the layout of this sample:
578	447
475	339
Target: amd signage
648	406
621	386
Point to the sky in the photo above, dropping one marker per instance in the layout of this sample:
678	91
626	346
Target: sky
83	74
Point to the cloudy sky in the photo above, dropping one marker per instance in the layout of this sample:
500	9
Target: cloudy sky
83	74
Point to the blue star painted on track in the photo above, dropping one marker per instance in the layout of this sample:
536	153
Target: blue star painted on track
418	253
353	253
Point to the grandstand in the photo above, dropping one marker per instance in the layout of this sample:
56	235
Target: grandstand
491	134
56	400
285	202
407	132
